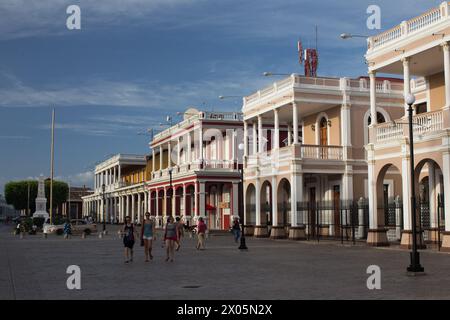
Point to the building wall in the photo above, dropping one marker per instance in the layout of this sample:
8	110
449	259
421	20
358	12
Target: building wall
333	115
437	91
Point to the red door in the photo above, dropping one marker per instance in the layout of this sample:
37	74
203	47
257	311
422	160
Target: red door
226	221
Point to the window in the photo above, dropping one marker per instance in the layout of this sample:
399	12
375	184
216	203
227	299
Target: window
380	119
421	108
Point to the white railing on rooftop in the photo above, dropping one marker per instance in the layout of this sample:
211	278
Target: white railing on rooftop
321	83
413	25
207	115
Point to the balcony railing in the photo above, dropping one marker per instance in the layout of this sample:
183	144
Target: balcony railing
194	166
423	124
314	152
322	152
228	116
411	26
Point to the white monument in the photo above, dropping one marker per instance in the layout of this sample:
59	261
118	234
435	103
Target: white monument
41	201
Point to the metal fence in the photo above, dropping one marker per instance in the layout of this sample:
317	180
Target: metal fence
344	220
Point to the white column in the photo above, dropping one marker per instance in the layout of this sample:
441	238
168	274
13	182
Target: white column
296	194
119	174
347	183
189	149
295	122
245	139
446	173
139	210
372	192
160	157
178	152
184	200
258	202
373	98
153	161
432	194
406	82
196	199
146	199
157	203
95	181
128	205
169	152
446	49
274	201
133	208
289	128
202	199
276	136
260	135
406	197
255	138
115	175
235	197
346	125
200	144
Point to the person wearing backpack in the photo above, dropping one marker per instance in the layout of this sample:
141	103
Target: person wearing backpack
128	239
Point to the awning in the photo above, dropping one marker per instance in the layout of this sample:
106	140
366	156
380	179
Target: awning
207	208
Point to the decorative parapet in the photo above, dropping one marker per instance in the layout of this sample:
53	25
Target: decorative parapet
412	26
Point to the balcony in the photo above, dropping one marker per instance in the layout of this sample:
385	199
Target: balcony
284	155
283	89
425	124
424	22
186	168
212	116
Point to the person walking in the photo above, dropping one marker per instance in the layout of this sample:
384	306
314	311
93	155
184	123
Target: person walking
170	238
180	232
236	230
201	233
128	239
67	229
147	235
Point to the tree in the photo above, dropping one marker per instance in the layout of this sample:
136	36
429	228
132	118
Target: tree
16	193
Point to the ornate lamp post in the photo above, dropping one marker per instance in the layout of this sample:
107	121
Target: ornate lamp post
243	245
414	255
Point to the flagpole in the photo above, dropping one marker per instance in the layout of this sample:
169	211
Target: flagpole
51	165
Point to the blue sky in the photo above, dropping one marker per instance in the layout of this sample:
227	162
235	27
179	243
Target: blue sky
134	62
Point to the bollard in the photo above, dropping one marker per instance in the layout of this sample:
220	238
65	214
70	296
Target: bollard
100	235
83	235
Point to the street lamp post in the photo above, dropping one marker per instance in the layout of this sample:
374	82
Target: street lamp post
243	245
414	255
104	208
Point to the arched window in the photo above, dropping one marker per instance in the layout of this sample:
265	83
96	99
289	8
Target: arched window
380	119
323	132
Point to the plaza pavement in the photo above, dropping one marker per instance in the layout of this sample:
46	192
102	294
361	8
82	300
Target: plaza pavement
35	268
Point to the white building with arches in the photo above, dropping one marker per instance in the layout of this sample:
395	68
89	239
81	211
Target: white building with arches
419	50
304	152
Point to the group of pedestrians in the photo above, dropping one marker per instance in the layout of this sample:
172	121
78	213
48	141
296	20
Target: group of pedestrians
173	234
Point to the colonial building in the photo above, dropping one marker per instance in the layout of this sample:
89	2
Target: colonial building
417	49
73	207
304	157
196	169
123	178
